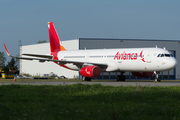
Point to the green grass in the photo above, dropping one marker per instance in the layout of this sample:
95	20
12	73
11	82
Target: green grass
87	102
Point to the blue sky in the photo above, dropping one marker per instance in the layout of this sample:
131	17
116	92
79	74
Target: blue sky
26	20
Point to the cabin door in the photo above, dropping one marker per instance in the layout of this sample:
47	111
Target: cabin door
149	56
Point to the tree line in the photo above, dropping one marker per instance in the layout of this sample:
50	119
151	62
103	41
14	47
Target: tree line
12	63
5	66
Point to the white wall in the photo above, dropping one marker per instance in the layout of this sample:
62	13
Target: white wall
37	68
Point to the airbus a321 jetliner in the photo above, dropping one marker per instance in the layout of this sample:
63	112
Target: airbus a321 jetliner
142	62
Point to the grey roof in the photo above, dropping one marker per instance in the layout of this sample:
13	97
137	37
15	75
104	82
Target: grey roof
129	39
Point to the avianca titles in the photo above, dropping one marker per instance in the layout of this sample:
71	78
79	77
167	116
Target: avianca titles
142	62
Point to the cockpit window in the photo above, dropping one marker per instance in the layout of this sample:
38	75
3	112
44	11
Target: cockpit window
165	55
162	55
159	55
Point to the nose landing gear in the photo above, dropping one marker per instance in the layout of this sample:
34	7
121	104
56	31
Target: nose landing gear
157	79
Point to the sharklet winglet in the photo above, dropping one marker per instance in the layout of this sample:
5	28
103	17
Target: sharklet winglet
7	50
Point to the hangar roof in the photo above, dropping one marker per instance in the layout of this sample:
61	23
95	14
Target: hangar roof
129	39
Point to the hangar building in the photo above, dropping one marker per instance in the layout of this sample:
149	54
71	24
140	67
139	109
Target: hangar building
40	69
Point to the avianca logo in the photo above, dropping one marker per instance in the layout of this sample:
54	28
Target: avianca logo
142	58
128	56
88	73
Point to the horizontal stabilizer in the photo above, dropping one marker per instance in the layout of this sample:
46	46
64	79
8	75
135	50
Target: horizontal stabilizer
60	62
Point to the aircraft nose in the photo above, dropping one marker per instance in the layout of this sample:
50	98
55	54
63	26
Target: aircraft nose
176	63
173	63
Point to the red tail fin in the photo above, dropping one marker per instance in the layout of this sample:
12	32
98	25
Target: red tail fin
54	40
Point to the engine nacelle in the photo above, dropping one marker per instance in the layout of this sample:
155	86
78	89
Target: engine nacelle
142	74
90	71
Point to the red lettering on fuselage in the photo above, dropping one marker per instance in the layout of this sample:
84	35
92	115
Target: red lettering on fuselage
126	56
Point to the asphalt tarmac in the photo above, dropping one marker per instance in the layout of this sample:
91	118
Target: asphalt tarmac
104	83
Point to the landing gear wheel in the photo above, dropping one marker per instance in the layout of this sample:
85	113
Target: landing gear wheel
158	80
118	78
83	78
121	78
86	79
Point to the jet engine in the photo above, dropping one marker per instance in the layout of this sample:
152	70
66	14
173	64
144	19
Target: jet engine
90	71
142	74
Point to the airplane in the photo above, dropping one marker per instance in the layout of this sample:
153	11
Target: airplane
141	62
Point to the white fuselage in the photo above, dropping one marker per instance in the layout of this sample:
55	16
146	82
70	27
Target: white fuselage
126	59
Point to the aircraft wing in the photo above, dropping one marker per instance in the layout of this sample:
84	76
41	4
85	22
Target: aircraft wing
41	56
101	65
50	58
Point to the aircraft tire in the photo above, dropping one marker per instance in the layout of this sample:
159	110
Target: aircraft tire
123	78
159	80
88	78
118	78
83	78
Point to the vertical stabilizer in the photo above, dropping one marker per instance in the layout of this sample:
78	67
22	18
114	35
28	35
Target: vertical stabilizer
54	40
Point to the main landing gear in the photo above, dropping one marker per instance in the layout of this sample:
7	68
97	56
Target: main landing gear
86	79
157	79
121	77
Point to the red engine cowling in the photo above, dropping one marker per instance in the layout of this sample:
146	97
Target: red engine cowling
142	74
90	71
